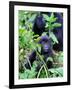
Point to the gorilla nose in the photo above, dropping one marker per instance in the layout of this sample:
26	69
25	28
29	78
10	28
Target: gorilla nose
46	49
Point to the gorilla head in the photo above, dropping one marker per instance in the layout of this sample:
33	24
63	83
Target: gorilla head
46	45
39	25
40	22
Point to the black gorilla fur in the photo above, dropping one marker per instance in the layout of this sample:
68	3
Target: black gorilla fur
59	33
39	25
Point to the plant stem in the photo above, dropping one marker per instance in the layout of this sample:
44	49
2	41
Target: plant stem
45	66
40	71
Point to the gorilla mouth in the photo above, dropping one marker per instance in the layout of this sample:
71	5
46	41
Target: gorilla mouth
46	50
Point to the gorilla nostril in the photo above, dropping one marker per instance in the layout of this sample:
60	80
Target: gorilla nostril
46	47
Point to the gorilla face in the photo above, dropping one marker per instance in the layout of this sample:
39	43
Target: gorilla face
39	25
46	44
40	22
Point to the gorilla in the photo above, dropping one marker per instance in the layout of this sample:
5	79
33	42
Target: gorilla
46	51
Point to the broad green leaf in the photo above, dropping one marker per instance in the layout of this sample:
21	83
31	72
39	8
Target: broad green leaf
57	72
52	18
46	25
53	37
46	17
49	59
32	18
56	25
39	48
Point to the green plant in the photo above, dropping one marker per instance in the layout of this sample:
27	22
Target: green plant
50	25
56	72
28	73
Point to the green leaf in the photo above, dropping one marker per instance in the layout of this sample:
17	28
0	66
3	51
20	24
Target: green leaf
50	59
56	25
32	18
56	72
46	17
46	25
53	37
36	36
39	48
52	15
52	18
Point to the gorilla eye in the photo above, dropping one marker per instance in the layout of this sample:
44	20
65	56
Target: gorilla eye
45	40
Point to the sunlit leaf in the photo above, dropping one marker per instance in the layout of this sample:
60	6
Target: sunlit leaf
53	37
32	18
56	25
46	17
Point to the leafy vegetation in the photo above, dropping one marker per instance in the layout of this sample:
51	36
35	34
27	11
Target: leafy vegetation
28	42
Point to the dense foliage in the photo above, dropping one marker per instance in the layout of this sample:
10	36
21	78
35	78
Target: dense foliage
28	42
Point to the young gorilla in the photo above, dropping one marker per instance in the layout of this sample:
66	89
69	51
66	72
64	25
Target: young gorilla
46	51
